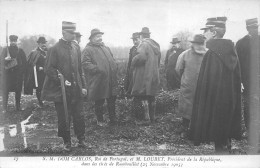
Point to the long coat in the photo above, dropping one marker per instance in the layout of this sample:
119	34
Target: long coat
13	78
146	68
248	54
128	82
100	70
66	59
188	67
216	114
36	58
172	77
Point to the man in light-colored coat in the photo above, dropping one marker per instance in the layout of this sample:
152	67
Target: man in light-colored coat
101	76
188	67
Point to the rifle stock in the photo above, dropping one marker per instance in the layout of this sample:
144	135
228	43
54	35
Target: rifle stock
64	99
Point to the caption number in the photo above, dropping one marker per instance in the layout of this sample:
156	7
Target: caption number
16	159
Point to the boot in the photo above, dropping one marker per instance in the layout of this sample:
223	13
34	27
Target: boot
17	101
136	110
67	144
152	111
111	111
99	114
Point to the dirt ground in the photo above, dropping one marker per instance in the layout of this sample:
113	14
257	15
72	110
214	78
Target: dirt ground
33	132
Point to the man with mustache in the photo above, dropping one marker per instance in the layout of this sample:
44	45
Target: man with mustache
13	77
101	75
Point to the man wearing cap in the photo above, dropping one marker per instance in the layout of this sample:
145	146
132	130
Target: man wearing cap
13	77
65	59
188	68
216	113
101	75
173	79
145	67
248	54
36	60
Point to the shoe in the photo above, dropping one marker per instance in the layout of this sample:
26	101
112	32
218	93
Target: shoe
83	144
67	146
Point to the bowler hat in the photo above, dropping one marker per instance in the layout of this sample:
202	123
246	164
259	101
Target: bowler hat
78	34
145	30
13	38
252	22
68	26
41	40
175	40
135	35
219	22
95	32
198	38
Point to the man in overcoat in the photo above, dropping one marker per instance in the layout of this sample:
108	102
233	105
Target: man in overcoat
172	77
65	59
248	54
216	113
36	60
145	67
13	78
101	75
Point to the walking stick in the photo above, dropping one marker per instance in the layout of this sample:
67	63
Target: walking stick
64	99
35	76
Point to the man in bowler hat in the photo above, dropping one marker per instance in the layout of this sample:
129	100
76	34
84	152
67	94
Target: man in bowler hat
100	69
173	79
13	77
65	59
36	59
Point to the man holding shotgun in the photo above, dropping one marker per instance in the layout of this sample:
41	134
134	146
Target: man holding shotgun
64	85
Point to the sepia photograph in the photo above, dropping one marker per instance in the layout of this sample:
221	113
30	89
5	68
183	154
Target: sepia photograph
129	83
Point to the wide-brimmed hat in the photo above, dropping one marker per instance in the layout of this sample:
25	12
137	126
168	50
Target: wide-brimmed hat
252	22
13	38
175	40
198	38
219	22
135	35
69	26
95	32
41	40
145	30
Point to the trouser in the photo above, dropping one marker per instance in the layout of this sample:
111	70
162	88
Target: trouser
246	102
17	99
75	110
185	122
111	105
38	94
137	109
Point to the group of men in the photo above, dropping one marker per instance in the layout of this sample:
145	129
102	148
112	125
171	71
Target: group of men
209	78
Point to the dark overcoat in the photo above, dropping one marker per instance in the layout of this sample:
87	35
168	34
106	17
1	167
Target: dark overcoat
100	69
172	77
66	59
216	114
13	78
36	58
146	68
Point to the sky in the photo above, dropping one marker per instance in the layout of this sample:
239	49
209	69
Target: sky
118	19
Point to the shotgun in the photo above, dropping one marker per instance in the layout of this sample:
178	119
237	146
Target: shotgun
64	99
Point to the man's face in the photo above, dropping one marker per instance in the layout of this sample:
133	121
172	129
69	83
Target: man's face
176	45
208	34
136	41
41	45
68	35
13	43
97	38
252	30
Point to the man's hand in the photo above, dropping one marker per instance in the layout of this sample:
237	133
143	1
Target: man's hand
40	68
84	92
67	83
242	87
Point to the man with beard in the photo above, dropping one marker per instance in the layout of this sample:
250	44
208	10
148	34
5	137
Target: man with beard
188	67
65	59
36	61
13	77
173	79
101	75
216	114
248	54
145	67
